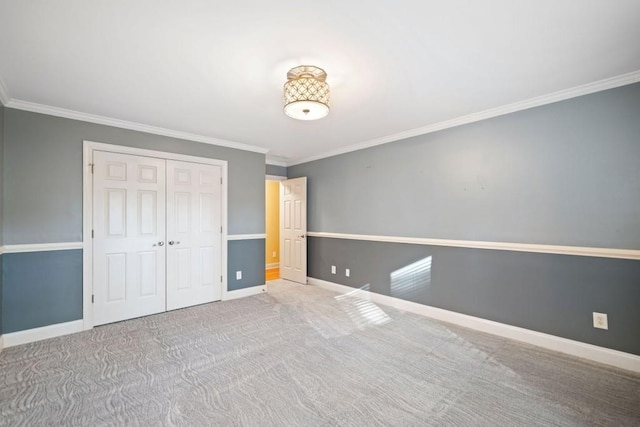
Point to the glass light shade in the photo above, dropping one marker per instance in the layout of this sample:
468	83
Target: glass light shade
306	93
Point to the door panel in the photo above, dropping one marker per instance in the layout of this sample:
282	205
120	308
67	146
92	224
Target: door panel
293	229
129	223
194	220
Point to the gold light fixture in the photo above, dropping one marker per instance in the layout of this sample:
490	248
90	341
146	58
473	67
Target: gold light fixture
306	93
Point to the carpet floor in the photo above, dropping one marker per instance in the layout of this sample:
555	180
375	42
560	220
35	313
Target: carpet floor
303	356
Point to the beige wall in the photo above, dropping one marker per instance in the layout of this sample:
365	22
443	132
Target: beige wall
272	216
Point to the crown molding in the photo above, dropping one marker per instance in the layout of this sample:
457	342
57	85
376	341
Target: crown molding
574	92
275	161
123	124
4	94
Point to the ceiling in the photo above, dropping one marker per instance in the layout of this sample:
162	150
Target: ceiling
213	70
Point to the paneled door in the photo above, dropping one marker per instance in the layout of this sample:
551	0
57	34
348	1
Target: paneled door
293	229
129	236
194	233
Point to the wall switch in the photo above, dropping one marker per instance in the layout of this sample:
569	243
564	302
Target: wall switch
600	320
333	269
238	275
347	272
275	254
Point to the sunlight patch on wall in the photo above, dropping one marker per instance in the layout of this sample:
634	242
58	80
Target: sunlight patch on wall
411	281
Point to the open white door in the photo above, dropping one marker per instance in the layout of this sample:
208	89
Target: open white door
293	229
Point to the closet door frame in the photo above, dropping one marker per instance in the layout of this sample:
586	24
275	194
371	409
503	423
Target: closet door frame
87	213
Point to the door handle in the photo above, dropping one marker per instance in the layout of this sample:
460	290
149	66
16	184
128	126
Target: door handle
171	242
160	243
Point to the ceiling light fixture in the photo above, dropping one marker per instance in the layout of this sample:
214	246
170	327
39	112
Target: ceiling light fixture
306	93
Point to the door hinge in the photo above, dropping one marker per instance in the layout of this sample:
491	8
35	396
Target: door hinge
91	164
91	299
220	229
220	180
221	279
92	234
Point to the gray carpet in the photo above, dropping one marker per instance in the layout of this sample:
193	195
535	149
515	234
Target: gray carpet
303	356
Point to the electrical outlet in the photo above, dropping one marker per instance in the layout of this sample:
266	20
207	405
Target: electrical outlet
347	272
333	269
600	320
238	275
275	254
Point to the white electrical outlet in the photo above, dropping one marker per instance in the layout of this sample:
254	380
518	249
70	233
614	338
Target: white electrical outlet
238	275
274	255
333	269
600	320
347	272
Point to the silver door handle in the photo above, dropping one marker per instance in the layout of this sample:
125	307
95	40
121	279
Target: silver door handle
160	243
171	242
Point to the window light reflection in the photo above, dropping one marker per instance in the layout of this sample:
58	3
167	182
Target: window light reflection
411	281
360	310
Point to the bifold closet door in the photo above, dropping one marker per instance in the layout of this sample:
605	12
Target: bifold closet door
194	234
129	236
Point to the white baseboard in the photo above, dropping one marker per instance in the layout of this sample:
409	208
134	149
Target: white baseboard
591	352
43	333
1	342
246	292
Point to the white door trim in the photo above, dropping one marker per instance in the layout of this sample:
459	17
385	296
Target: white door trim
88	148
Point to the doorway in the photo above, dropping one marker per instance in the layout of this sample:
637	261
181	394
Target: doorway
272	228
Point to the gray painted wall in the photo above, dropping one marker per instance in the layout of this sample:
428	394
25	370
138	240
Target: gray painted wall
565	174
43	187
1	200
242	255
42	181
2	112
276	170
554	294
41	288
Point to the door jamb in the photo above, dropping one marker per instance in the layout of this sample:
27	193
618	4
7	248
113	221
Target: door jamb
88	147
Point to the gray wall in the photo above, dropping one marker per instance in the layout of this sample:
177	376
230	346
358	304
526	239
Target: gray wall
42	179
43	288
565	173
554	294
2	112
2	109
43	188
276	170
242	254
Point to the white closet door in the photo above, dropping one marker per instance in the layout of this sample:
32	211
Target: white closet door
194	235
129	236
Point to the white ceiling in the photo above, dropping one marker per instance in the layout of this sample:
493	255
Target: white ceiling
215	68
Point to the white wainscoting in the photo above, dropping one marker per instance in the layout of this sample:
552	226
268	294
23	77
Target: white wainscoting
40	247
246	236
501	246
591	352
